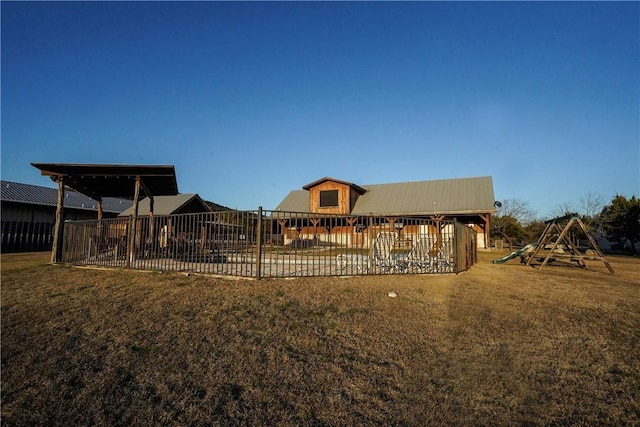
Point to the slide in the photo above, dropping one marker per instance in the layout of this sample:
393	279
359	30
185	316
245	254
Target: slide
515	253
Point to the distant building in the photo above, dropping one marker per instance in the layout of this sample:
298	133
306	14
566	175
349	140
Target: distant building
170	205
29	212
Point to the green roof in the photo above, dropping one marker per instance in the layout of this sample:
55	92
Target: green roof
165	205
444	196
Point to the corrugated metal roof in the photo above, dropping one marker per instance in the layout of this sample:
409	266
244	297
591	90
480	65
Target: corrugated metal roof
445	196
98	180
164	205
44	196
296	201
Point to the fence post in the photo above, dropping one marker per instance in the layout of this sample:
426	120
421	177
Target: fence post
58	231
259	244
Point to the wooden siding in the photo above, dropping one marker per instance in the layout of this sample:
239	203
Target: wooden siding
344	198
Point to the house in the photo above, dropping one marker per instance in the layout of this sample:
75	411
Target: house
29	213
467	200
169	205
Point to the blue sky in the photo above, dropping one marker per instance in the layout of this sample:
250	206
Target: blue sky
252	100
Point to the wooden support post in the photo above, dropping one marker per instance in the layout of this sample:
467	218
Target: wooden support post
259	244
596	247
541	242
131	243
487	227
99	232
370	236
555	244
391	222
58	230
352	231
152	230
283	232
438	219
203	236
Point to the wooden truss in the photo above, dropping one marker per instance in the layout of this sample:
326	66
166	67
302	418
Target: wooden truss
563	248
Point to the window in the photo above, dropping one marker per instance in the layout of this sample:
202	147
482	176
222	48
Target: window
329	199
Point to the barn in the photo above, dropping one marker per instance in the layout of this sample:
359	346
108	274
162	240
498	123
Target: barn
467	200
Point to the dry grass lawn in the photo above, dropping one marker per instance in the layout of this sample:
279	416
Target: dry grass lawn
497	345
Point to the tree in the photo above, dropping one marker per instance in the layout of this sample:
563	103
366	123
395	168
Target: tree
508	227
507	222
621	220
564	209
517	209
591	204
534	230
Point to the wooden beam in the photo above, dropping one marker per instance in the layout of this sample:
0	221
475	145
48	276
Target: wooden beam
58	230
144	186
596	247
541	242
283	224
152	227
99	225
487	229
132	224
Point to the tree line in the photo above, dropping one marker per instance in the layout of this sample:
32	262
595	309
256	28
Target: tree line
617	221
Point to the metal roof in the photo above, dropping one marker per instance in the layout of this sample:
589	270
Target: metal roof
96	180
359	189
445	196
36	195
165	205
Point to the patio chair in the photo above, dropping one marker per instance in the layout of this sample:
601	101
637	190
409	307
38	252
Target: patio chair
418	260
382	246
349	262
444	260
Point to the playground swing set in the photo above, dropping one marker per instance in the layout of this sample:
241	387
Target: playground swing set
555	244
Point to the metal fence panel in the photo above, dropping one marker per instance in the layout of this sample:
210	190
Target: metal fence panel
24	236
273	244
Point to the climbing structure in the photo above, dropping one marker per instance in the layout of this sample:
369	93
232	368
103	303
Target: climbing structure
556	244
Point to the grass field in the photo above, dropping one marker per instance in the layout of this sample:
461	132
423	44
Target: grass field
496	345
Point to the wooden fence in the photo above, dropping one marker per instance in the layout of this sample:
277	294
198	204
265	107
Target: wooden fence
23	236
273	244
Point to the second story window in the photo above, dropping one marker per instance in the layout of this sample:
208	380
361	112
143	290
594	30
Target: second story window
329	199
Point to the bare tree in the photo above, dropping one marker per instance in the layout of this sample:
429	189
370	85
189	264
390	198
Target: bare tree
508	221
592	204
563	209
518	209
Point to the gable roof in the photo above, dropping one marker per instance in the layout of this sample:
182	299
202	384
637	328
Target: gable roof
444	196
166	205
359	189
36	195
